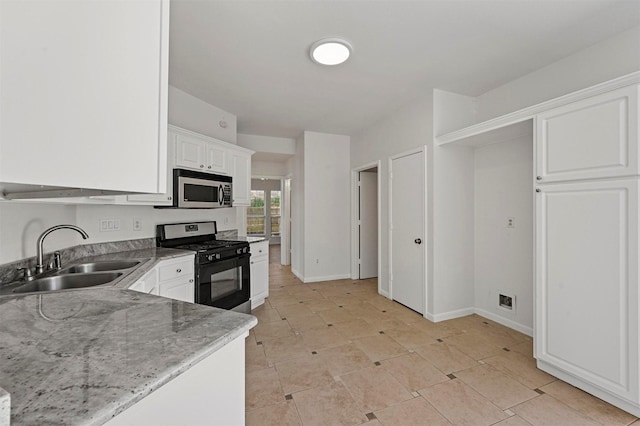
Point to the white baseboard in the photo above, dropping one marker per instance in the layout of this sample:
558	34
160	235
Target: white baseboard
325	278
450	315
630	407
505	321
383	293
297	274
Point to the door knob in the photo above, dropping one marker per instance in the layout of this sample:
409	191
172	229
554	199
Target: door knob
417	241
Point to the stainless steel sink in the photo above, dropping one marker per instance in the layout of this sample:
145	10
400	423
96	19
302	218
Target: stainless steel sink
99	266
63	282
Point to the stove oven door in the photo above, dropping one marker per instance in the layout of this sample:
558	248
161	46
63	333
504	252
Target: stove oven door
224	283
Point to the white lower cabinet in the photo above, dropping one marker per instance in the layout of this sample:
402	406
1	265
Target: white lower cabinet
259	272
586	330
172	278
212	392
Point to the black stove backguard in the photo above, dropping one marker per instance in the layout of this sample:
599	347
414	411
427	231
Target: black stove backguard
222	272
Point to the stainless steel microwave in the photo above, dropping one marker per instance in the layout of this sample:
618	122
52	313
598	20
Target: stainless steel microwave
196	190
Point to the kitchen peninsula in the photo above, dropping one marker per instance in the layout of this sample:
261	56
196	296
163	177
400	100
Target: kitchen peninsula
107	355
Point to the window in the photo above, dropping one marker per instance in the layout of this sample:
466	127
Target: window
275	212
256	214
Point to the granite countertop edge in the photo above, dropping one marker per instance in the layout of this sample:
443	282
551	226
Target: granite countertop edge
112	410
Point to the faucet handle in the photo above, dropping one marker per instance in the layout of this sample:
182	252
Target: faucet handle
54	262
26	273
57	263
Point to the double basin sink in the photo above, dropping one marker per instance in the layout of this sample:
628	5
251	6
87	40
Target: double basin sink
80	275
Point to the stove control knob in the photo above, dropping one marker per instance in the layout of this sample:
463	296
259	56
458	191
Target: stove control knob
246	250
239	251
210	257
218	256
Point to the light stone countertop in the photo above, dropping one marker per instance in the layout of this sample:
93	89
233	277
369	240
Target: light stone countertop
83	356
250	240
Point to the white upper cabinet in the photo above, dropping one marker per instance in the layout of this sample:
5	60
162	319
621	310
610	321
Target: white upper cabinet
83	94
209	155
190	152
202	153
593	138
241	162
217	159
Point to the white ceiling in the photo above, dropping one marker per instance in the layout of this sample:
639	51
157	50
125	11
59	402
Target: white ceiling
251	57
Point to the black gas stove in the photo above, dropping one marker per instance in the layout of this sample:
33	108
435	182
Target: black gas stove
221	266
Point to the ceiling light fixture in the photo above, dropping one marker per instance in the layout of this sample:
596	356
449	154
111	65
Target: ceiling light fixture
330	51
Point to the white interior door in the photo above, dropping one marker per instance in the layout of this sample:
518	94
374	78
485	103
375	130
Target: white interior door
368	224
407	231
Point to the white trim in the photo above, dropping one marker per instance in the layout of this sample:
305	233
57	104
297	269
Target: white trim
425	229
326	278
297	274
232	146
382	292
630	407
450	315
531	111
354	218
505	321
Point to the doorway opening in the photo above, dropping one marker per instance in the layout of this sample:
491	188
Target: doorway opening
366	222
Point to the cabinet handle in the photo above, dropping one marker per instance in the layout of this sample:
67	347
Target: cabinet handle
538	177
169	198
202	166
252	263
178	270
190	281
538	190
259	251
209	166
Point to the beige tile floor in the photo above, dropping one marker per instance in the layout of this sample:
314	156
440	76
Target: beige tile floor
337	353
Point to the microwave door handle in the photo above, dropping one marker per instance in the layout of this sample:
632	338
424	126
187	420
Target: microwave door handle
220	195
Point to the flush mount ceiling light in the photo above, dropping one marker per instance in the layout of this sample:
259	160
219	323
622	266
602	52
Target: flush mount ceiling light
330	51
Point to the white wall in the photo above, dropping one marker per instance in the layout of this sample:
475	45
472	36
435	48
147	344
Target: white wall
193	114
327	208
22	223
615	57
452	254
269	169
88	218
298	209
408	128
504	256
267	144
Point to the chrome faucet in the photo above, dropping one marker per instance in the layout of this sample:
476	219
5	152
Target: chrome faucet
40	254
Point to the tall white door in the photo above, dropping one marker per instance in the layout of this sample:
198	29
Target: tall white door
407	231
587	275
368	229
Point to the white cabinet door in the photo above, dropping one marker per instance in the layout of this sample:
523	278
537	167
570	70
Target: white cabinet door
180	289
190	152
593	138
217	159
84	94
148	283
587	283
241	179
259	273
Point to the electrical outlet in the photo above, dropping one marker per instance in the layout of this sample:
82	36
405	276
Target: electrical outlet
511	222
109	225
137	224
